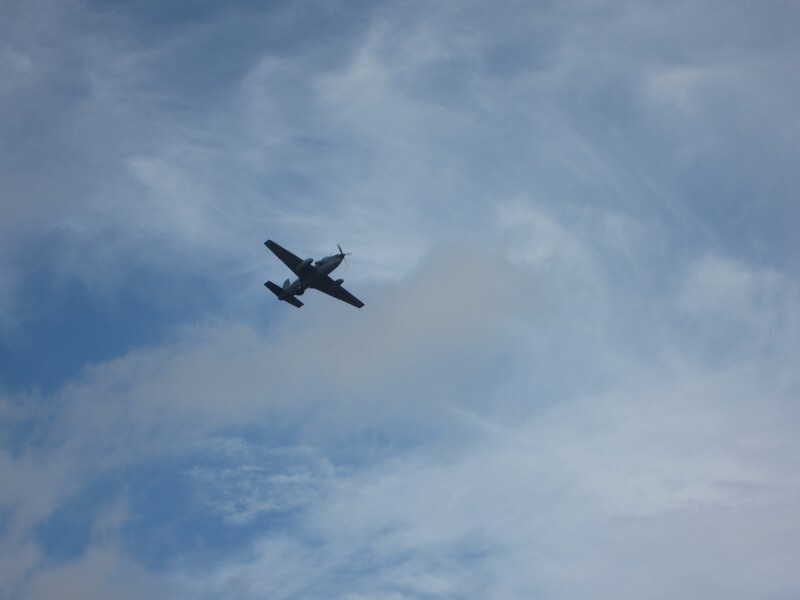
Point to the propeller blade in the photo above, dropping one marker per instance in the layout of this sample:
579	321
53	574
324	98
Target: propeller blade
342	253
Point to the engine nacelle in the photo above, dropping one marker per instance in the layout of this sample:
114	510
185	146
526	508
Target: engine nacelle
338	282
304	264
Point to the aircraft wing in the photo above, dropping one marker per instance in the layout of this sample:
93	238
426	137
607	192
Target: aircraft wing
289	259
337	291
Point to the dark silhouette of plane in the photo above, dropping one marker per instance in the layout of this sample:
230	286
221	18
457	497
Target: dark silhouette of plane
310	275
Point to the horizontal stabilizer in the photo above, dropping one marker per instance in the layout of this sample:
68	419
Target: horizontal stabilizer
278	291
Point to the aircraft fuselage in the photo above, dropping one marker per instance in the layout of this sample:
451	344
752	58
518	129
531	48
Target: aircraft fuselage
309	274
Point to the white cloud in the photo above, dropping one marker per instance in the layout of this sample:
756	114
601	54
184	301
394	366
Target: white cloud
669	489
681	87
717	285
533	400
103	572
741	307
499	486
254	481
404	134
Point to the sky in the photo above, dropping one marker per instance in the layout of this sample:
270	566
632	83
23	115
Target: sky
573	225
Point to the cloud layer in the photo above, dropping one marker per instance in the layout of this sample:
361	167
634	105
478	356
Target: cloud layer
572	226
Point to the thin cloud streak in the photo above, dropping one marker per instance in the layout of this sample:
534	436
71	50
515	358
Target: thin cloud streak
623	455
571	226
534	505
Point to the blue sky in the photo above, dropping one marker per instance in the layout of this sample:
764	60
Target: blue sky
574	228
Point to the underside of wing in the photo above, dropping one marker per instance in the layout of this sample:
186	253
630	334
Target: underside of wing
328	286
289	259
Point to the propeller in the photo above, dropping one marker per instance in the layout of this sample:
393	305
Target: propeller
342	253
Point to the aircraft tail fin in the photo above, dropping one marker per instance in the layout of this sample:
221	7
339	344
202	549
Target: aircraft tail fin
278	291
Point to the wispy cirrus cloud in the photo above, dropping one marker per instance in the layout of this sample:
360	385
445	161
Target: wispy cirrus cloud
484	476
571	226
566	502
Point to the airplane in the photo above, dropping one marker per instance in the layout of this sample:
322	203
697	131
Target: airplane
310	275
